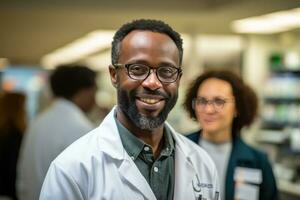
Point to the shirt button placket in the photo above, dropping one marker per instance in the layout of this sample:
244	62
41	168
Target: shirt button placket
146	148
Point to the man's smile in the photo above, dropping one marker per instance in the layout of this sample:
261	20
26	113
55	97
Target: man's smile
150	102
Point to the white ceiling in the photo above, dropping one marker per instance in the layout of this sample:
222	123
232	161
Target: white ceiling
32	28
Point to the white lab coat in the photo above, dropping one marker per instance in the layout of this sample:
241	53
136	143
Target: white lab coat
55	129
97	167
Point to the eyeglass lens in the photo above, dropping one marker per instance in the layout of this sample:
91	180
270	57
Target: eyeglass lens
217	103
164	73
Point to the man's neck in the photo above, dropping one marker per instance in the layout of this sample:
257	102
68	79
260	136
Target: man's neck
153	137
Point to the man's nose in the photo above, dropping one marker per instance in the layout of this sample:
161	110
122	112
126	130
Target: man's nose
152	82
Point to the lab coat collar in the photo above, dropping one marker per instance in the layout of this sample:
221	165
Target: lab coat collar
131	174
184	168
110	143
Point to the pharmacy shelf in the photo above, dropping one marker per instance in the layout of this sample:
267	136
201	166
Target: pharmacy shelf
272	136
282	100
278	125
285	71
289	187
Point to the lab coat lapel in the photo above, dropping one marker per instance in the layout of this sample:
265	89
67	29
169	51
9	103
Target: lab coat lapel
184	171
129	171
111	144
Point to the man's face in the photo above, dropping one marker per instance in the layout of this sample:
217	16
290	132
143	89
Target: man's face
148	102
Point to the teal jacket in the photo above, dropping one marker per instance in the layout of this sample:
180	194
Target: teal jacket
243	155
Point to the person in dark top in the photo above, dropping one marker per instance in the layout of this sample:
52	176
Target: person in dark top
223	104
12	127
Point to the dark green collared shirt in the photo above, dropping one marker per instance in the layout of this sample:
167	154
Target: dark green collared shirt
159	173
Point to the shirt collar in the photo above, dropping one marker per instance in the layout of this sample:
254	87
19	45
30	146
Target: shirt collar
134	146
169	145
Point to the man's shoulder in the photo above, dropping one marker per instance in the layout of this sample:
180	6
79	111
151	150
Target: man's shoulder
198	157
195	151
86	153
185	143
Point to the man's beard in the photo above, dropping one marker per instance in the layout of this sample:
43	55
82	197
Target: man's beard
128	106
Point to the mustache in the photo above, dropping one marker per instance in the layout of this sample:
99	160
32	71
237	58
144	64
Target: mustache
151	92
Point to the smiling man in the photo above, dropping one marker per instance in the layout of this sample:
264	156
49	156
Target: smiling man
134	153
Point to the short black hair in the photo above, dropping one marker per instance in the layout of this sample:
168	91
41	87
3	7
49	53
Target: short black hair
148	25
246	100
67	80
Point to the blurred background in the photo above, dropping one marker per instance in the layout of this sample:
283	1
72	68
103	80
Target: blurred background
260	39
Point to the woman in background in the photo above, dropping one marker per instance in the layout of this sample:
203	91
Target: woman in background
12	127
223	104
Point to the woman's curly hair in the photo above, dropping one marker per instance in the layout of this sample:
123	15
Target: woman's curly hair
246	100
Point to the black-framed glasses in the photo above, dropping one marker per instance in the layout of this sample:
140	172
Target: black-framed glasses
165	74
217	103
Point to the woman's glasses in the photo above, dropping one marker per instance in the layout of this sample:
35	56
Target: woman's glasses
200	103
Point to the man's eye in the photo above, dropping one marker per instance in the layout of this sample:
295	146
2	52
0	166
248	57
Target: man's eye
167	71
138	69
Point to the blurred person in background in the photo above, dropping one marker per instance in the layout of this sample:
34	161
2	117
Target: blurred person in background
74	89
223	104
12	127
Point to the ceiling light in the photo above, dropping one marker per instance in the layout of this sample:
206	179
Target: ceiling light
270	23
79	49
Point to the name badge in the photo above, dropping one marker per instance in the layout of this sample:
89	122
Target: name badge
246	191
247	175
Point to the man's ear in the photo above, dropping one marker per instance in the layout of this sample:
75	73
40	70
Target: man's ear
113	76
179	77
